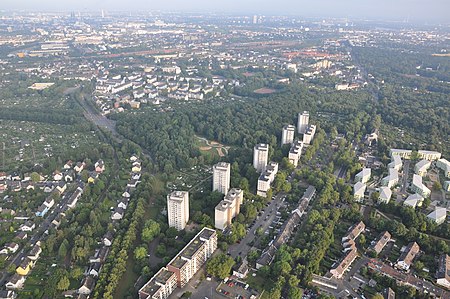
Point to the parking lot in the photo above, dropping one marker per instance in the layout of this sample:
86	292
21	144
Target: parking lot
236	290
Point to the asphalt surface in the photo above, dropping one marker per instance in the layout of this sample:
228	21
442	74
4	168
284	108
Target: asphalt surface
264	221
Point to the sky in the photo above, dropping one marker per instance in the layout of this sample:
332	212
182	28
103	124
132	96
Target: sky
435	11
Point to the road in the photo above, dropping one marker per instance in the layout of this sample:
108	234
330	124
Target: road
264	221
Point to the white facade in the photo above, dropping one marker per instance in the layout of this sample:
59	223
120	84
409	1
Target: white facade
385	195
422	167
444	165
287	135
303	121
260	156
221	177
439	215
392	179
295	153
178	209
266	178
414	200
447	186
363	176
405	154
228	208
396	162
358	191
418	187
308	136
429	155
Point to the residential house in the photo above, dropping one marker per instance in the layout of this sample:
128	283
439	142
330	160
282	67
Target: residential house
9	248
413	200
444	165
418	187
385	195
100	166
8	294
68	165
79	167
443	271
25	267
363	176
28	226
95	269
407	256
429	155
439	215
15	282
87	286
107	239
392	179
358	191
57	175
422	167
117	214
35	252
381	242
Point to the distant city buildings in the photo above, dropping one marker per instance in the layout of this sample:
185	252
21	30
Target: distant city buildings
287	135
260	156
221	177
228	208
178	209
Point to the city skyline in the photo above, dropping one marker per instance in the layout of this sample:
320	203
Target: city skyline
434	11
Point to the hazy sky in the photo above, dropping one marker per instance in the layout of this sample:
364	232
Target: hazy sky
415	10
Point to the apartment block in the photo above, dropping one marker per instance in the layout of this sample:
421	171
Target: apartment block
303	121
406	258
391	180
287	134
295	153
221	177
193	256
363	176
419	187
444	165
260	156
405	154
396	162
266	179
178	209
308	136
228	208
182	267
422	167
429	155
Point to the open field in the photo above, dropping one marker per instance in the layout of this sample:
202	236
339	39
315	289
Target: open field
211	148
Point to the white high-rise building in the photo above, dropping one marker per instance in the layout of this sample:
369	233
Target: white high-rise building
228	208
287	135
178	209
260	156
303	121
295	152
266	178
309	134
221	177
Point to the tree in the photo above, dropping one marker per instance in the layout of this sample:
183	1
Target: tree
437	186
35	177
220	266
377	296
140	253
150	231
63	284
295	293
